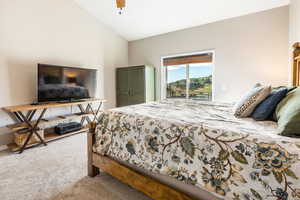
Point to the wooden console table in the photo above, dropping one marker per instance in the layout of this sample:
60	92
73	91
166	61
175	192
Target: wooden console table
25	123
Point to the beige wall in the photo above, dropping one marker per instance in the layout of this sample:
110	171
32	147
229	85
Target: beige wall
54	32
294	30
248	49
294	21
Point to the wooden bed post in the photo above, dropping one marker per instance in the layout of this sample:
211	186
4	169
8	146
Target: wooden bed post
92	170
296	64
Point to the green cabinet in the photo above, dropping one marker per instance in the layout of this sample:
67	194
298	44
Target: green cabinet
135	85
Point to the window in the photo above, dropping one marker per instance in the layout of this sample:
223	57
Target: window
189	76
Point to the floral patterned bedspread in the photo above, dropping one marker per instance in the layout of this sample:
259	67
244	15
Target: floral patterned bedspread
203	144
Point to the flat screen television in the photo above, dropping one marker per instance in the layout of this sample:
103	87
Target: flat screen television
59	83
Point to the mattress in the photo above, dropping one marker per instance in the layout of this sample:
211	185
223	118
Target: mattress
203	145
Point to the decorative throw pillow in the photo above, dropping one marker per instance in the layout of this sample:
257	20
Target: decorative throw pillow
281	87
247	104
288	114
273	117
266	108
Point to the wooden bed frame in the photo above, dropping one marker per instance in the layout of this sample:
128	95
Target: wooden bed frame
145	184
296	64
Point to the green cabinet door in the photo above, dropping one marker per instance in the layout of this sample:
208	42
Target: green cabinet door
136	79
135	85
122	87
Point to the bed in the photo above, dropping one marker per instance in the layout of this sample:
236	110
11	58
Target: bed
201	145
185	149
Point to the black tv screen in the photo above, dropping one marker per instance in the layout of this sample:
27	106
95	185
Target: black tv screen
59	83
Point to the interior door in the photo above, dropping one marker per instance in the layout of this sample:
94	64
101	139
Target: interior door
122	87
136	78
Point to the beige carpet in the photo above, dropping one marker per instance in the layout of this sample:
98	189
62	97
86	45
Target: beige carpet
58	172
103	187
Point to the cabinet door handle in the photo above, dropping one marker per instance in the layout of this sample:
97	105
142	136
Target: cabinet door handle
131	93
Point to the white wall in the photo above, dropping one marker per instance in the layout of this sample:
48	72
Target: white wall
55	32
248	49
294	30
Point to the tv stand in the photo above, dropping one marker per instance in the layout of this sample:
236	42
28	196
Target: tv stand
25	123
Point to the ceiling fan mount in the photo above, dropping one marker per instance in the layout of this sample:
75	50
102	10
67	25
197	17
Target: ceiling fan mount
121	5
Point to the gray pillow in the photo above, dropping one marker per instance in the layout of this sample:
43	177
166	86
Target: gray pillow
247	104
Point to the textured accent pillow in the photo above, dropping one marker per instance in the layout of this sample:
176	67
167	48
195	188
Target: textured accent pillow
247	104
288	114
266	108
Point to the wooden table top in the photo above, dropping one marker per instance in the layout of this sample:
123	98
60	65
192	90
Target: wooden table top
28	107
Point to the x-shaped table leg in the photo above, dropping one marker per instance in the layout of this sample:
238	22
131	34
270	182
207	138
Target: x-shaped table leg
86	111
31	128
95	114
90	110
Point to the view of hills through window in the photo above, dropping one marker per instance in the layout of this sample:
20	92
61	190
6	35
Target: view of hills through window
190	81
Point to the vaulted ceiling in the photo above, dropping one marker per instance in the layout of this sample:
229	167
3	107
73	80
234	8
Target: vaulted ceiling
145	18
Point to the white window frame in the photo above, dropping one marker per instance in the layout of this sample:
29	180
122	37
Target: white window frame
163	72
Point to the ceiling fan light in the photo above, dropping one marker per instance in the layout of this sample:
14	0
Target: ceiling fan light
121	4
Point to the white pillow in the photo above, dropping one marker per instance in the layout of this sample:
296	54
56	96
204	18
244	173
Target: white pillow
247	104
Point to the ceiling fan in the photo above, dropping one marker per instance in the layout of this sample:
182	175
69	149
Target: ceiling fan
121	5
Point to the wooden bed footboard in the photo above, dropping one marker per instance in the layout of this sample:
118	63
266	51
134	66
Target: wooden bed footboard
145	184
